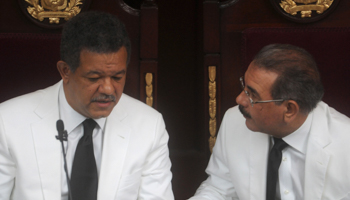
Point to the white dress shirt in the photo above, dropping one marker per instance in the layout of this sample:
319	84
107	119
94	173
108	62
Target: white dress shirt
73	125
292	169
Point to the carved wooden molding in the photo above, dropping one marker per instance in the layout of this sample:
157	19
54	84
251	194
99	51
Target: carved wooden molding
228	3
129	9
52	14
212	106
149	3
149	89
304	11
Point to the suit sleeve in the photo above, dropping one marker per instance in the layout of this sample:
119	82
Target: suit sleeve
156	175
218	185
7	166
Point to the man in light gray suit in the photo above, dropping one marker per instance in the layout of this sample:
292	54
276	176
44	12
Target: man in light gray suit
117	146
281	141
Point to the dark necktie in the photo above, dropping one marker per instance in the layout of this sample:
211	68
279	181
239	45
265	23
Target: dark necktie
84	179
274	163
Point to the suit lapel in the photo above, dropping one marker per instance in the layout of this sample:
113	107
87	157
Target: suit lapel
115	145
259	149
317	159
47	148
315	171
48	152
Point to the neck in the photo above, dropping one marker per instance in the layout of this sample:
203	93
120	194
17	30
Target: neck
293	125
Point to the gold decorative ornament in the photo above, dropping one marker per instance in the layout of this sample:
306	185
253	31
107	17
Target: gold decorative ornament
305	7
54	10
212	127
149	89
212	106
212	73
212	89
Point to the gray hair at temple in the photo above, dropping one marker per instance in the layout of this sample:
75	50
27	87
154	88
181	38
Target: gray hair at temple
299	78
97	32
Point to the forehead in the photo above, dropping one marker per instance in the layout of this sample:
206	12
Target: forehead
89	59
259	79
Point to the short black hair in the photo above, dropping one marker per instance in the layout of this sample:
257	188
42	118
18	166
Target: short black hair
93	31
298	75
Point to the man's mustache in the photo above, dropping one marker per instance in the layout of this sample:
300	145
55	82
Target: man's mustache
104	97
244	113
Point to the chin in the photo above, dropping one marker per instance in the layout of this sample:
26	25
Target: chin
97	112
100	114
250	126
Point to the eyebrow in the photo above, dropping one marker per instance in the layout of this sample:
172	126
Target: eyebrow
98	73
253	91
120	72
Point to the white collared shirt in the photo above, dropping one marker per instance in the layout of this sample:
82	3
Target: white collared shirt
73	125
292	169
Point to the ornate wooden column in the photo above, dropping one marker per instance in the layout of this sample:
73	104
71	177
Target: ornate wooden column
211	66
149	52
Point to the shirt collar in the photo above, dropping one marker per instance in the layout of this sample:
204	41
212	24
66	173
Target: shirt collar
70	117
298	139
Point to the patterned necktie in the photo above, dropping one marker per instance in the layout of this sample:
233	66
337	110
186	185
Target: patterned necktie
274	163
84	178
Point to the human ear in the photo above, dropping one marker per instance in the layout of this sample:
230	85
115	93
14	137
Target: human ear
64	70
292	110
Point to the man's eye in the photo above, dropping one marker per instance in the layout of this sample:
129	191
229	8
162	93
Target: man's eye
254	97
116	78
93	79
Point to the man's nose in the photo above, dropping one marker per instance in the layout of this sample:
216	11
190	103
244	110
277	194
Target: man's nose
106	87
242	99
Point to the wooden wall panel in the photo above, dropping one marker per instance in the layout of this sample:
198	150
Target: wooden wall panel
178	94
24	71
